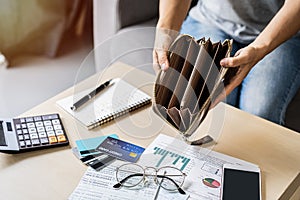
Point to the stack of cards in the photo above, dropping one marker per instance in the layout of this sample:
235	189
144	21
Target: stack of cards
99	152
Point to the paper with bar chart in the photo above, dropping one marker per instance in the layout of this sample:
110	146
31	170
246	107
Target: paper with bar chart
202	166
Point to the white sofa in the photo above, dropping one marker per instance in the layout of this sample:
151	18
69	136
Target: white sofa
124	31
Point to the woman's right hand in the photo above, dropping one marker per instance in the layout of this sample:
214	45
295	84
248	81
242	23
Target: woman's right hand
163	40
160	60
171	15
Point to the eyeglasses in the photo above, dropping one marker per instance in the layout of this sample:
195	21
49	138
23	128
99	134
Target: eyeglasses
168	177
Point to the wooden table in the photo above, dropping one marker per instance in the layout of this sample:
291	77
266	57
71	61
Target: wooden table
54	173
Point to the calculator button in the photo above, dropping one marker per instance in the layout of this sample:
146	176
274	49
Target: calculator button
52	140
19	132
49	128
44	140
22	144
59	132
24	126
61	138
18	126
31	125
22	120
21	137
50	133
26	137
34	136
32	130
37	118
40	129
55	122
47	123
57	127
35	142
29	119
42	134
39	124
28	142
47	117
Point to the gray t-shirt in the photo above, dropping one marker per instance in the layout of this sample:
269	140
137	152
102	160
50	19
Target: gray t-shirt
242	20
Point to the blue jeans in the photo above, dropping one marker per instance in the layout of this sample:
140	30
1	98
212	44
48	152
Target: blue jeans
271	84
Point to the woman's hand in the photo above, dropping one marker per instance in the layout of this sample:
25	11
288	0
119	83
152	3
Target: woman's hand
171	15
245	59
160	60
163	40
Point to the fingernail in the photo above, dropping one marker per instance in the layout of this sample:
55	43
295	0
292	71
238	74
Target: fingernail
163	66
223	62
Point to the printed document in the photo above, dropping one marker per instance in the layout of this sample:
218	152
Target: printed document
202	166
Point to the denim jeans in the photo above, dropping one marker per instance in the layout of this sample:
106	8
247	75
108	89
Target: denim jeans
270	85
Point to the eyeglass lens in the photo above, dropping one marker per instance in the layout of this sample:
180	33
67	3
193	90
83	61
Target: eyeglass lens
130	175
174	178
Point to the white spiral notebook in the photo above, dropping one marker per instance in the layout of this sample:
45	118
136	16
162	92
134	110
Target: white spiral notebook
114	101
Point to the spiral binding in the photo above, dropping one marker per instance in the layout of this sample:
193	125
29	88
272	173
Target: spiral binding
107	118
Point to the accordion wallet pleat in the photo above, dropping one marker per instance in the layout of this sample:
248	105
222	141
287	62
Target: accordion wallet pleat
185	115
185	74
166	87
183	93
196	87
173	113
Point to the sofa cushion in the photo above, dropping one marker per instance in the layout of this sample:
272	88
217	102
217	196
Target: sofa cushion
136	11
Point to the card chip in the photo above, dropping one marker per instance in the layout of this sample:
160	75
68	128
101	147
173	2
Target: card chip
132	154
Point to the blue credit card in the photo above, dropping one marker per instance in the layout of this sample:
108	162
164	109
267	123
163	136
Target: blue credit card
87	146
120	149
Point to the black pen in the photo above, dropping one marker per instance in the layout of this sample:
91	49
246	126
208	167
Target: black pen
86	98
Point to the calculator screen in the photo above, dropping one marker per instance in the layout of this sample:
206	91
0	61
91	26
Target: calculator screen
2	137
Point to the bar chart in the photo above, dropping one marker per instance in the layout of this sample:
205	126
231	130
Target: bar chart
170	158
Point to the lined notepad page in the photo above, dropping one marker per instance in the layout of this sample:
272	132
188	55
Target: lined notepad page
114	101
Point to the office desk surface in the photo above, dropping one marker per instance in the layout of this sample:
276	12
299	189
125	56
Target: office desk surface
54	173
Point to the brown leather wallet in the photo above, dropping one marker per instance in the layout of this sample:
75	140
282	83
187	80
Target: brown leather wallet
183	93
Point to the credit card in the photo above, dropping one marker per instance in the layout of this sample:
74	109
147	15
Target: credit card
101	162
120	149
87	146
97	160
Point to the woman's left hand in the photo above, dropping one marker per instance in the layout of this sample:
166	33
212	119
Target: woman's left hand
245	59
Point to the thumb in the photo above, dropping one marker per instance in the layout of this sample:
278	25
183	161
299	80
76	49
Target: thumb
231	62
163	60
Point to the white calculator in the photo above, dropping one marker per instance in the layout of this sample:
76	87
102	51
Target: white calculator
32	133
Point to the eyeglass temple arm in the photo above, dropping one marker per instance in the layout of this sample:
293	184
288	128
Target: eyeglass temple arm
177	186
118	185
